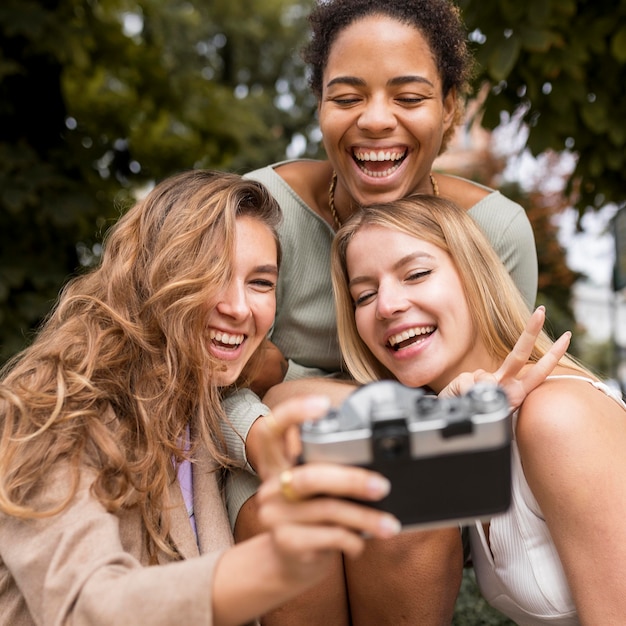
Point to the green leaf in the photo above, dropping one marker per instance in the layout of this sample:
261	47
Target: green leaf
564	7
615	159
539	11
594	115
536	39
504	57
617	134
596	165
618	44
512	10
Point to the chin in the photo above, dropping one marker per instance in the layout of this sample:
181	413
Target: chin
226	378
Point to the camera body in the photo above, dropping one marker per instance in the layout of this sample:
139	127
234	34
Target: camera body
448	459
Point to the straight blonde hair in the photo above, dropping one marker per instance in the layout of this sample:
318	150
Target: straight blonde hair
499	313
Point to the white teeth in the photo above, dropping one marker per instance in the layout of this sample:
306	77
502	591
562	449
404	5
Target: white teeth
225	338
381	155
411	332
382	174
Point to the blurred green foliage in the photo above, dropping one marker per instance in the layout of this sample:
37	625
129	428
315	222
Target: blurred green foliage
99	98
564	62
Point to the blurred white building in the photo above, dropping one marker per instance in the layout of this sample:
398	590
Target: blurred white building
590	251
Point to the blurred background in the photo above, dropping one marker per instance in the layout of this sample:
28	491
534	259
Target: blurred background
101	98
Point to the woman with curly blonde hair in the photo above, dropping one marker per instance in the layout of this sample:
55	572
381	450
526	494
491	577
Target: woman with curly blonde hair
111	452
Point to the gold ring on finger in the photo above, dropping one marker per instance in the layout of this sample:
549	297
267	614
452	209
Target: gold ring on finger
286	486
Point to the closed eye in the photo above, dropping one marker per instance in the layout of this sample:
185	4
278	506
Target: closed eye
262	284
346	101
410	100
418	275
364	298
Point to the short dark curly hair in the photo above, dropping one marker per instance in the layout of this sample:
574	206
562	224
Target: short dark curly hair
439	21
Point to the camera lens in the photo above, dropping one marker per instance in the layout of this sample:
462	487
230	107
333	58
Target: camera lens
390	441
391	447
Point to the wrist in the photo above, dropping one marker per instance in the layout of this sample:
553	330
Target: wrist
242	593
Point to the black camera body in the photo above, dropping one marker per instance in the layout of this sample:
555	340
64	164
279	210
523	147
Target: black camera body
448	459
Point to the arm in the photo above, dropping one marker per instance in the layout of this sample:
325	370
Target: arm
336	390
244	443
242	409
572	440
306	535
83	566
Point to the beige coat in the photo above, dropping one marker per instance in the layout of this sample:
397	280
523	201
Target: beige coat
87	566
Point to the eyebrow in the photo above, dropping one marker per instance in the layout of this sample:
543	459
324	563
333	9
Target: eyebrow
266	269
408	258
397	80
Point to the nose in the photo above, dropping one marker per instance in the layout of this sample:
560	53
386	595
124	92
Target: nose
232	302
390	300
377	115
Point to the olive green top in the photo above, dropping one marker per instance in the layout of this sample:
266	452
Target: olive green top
305	326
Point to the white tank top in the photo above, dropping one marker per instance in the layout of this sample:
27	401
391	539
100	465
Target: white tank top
520	573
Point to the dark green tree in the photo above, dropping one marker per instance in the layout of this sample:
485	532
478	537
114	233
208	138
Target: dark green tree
563	62
100	97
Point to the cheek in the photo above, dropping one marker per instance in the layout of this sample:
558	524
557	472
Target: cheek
264	316
363	325
331	123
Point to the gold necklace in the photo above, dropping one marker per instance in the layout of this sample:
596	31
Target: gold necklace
331	197
331	201
433	182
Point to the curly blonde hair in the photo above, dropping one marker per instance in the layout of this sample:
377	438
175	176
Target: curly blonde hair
120	370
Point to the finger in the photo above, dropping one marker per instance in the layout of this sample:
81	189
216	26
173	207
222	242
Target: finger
276	436
316	479
331	511
294	412
465	381
484	377
296	539
536	374
459	386
293	444
518	357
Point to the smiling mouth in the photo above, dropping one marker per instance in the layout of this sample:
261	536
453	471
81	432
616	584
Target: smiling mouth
379	163
409	337
225	340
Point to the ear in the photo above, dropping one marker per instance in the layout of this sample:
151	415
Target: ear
449	108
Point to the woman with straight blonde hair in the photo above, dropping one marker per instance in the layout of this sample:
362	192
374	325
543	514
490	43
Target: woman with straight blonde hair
421	298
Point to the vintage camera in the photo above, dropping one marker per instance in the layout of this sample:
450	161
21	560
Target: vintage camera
448	459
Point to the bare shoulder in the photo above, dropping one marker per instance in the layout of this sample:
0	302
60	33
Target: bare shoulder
566	413
571	438
308	178
463	192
